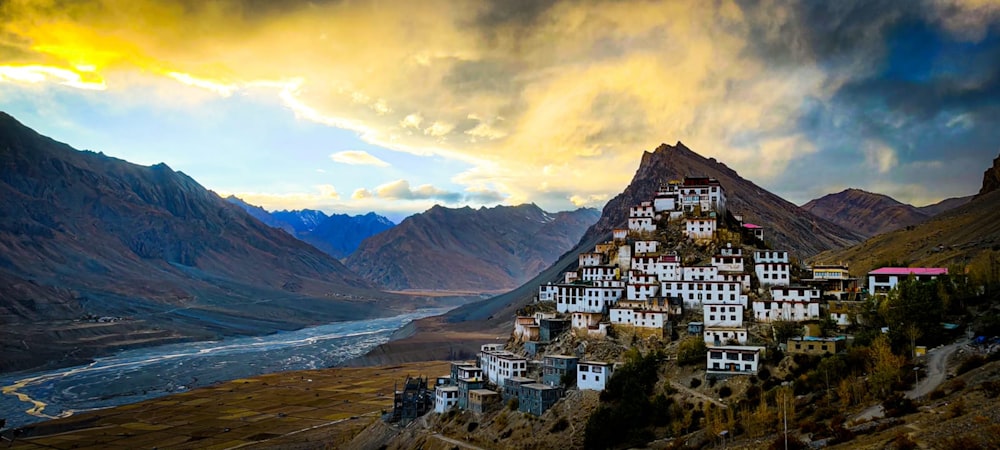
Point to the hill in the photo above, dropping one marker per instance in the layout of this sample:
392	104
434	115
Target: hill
865	212
84	236
485	249
337	235
959	235
788	227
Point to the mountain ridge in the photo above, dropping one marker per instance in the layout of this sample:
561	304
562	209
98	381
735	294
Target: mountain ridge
867	212
485	249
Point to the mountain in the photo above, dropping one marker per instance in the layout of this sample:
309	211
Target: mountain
959	235
302	220
944	205
485	249
865	212
84	235
337	235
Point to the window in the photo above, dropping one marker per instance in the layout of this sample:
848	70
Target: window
583	377
597	378
747	367
732	356
748	356
715	355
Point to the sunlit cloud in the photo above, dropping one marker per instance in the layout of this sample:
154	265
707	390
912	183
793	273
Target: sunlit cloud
552	101
358	158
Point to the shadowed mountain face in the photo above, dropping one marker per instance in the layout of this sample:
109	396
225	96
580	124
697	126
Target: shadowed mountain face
958	235
786	226
865	212
484	249
337	235
83	234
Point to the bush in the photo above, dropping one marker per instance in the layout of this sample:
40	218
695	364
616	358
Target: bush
990	388
725	392
513	404
764	373
695	382
897	405
793	443
559	426
902	441
472	426
691	351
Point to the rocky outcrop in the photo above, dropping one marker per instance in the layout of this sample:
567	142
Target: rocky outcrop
991	178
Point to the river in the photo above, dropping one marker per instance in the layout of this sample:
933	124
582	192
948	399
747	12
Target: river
134	375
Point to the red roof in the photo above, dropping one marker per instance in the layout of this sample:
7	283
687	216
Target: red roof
909	270
751	226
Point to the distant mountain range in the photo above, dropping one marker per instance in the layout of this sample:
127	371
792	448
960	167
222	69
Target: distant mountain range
84	235
465	249
871	214
337	235
958	235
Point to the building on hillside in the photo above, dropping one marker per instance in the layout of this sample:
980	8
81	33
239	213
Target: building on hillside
789	303
588	259
816	345
602	272
756	231
595	296
525	329
644	209
586	320
772	267
729	259
411	402
536	398
619	234
834	282
700	228
499	365
733	360
549	329
702	193
642	290
722	315
483	401
881	281
464	369
641	225
466	385
643	247
593	375
445	398
720	336
557	368
512	387
695	293
844	312
668	200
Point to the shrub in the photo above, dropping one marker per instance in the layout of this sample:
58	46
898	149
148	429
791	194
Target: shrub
695	382
956	408
902	441
764	373
513	404
691	351
897	405
990	388
472	426
559	426
793	443
725	392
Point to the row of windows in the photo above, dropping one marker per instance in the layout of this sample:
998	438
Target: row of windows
721	309
747	367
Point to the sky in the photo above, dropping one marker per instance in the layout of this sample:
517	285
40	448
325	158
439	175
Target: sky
394	106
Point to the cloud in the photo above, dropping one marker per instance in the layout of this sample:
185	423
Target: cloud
774	89
358	158
401	190
323	194
880	156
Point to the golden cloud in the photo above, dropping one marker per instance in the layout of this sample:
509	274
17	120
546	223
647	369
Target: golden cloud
358	157
560	102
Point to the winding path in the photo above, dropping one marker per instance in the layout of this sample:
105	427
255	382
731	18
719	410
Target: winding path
937	370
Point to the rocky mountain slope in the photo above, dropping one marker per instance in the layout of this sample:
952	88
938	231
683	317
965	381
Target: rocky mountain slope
865	212
959	235
944	205
84	235
786	225
486	249
337	235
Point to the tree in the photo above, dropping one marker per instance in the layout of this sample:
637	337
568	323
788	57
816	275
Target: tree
691	351
785	330
883	367
913	303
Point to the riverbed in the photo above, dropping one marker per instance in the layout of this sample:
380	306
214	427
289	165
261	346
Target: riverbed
134	375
